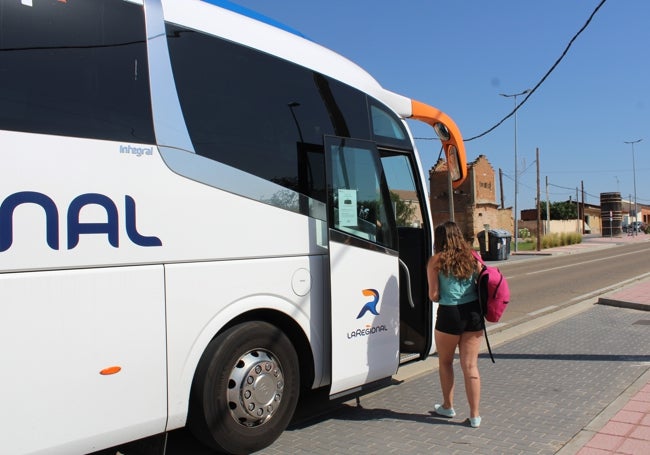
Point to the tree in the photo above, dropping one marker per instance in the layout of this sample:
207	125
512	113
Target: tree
404	210
560	210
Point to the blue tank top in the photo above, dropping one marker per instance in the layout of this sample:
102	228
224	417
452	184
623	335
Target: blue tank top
456	292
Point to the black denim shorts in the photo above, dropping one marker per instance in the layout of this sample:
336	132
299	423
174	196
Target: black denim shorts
456	319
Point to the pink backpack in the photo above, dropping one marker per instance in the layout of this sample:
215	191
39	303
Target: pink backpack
493	291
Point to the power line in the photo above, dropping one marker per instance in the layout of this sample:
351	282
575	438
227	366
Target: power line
563	187
548	73
597	197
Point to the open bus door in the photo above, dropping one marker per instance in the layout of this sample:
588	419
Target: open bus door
364	266
415	237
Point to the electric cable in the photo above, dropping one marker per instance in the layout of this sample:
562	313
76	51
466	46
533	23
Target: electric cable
548	73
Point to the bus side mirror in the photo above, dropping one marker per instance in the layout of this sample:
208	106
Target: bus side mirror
452	163
449	135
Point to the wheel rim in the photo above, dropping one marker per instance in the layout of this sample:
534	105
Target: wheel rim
255	388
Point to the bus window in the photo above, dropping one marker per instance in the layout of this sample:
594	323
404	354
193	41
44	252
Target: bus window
387	129
358	193
403	192
57	77
261	114
384	125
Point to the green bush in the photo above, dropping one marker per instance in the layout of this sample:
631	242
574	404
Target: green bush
563	239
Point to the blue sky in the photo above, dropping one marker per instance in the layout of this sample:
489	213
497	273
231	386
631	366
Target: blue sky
460	55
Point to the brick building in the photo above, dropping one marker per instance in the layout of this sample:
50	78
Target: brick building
474	201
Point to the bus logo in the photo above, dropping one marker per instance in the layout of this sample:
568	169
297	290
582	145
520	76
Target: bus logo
76	228
372	305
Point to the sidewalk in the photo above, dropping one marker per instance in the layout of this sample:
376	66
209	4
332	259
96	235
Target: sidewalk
624	426
589	242
572	382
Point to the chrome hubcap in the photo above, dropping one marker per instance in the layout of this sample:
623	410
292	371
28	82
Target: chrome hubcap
255	388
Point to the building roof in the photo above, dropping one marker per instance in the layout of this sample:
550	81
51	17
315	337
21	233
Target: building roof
441	165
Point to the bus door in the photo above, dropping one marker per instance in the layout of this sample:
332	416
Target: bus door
415	246
364	266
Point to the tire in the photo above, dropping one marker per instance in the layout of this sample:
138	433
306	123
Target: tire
245	389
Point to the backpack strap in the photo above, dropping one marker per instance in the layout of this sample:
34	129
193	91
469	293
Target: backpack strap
487	341
478	257
480	304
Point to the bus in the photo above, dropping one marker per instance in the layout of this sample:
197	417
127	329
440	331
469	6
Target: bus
203	214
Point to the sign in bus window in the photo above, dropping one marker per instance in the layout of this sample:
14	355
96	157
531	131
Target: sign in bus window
347	200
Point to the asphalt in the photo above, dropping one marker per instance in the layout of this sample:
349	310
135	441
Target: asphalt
575	381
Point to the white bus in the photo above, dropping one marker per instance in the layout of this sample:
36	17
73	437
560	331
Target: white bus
200	217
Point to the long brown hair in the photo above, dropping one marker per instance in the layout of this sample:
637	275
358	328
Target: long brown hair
456	257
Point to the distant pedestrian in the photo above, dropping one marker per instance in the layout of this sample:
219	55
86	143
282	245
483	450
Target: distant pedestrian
452	273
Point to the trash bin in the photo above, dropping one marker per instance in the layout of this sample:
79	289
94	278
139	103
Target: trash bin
497	246
500	243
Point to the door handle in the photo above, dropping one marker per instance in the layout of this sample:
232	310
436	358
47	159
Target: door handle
408	282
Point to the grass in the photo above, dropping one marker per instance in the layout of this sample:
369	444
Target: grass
524	246
549	241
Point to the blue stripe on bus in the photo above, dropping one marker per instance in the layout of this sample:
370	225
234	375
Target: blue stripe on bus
253	15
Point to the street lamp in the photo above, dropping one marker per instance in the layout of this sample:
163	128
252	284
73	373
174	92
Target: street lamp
515	95
634	180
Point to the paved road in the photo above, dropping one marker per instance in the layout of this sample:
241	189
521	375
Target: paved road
547	283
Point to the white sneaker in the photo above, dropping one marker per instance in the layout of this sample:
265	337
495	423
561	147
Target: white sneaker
444	411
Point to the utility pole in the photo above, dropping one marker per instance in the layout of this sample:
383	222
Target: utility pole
582	211
577	212
515	95
501	187
450	190
634	178
548	210
539	208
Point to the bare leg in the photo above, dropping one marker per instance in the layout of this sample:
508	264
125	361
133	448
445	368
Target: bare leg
470	344
446	347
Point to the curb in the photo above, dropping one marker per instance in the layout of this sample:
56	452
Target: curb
624	304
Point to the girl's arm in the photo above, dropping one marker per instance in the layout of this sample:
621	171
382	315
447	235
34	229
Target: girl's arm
432	278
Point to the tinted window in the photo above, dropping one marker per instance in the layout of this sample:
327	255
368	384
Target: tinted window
261	114
75	69
387	128
403	189
359	203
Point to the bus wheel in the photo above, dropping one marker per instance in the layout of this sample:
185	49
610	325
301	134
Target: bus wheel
245	389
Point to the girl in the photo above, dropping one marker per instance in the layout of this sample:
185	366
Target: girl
451	274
